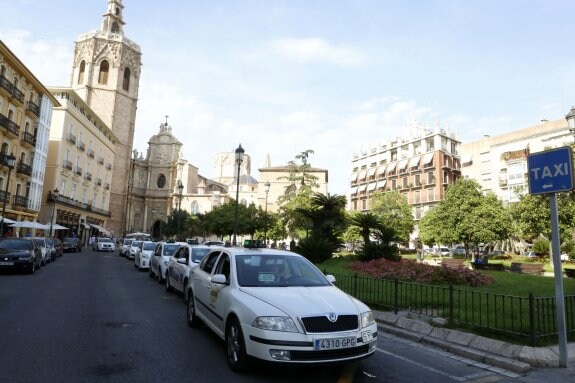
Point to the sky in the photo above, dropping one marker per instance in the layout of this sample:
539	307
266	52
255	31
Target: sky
336	77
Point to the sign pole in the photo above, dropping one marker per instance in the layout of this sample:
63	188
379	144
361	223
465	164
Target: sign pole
558	271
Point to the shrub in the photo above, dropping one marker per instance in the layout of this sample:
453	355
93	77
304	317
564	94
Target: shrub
411	271
316	249
375	250
541	247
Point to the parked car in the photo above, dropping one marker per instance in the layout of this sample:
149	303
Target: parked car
142	258
213	243
20	254
276	306
47	255
459	251
103	244
72	244
161	259
133	249
125	247
56	246
186	257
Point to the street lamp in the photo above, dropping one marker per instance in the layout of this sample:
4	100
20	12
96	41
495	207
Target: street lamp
55	194
153	218
267	190
10	161
161	218
239	160
181	190
570	117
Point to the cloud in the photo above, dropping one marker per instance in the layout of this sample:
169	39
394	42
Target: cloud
315	49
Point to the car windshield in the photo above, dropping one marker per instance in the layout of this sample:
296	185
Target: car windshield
277	271
149	246
127	242
107	240
198	253
136	244
15	244
70	239
170	249
40	242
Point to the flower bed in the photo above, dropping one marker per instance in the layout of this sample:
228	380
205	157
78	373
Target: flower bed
411	271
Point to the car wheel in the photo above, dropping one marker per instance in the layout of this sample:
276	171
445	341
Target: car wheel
193	320
160	278
185	290
168	286
151	273
32	268
235	347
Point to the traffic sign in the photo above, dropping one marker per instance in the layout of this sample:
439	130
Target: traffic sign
550	171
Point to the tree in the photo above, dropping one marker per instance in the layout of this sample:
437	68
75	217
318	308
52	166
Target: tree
466	216
366	222
299	177
393	209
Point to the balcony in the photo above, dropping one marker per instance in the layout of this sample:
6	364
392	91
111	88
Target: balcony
9	126
4	196
78	170
33	108
502	181
81	146
99	181
20	200
6	85
101	160
107	186
28	139
88	176
71	138
90	153
22	168
67	164
17	95
109	166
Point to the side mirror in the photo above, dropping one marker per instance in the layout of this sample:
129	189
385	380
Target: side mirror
219	279
330	279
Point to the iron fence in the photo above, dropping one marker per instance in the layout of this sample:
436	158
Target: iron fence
530	319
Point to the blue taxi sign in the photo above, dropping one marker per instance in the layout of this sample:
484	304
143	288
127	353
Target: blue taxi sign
550	171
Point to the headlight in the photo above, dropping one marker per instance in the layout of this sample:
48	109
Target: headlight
275	324
29	258
367	319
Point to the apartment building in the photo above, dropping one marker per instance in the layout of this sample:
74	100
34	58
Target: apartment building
25	114
420	164
79	166
499	163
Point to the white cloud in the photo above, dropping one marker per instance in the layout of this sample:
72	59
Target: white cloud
316	49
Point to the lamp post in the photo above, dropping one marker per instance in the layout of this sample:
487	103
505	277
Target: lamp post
181	190
10	161
161	218
267	190
239	160
55	194
570	117
153	218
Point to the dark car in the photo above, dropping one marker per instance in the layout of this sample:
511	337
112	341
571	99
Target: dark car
20	254
72	244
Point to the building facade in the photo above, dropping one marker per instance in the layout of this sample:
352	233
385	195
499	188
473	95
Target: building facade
106	75
25	114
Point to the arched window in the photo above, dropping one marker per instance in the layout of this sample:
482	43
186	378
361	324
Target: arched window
115	28
161	181
4	149
81	73
103	77
126	83
195	208
117	11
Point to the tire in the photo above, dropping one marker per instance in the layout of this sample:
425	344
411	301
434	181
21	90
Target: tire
192	318
159	276
235	346
185	290
169	287
151	273
32	268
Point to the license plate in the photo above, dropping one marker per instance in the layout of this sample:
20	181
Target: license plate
334	343
6	263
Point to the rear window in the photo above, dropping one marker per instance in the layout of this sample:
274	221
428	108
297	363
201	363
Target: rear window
149	245
170	249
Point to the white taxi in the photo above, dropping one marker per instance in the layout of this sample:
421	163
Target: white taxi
142	257
184	259
161	259
133	249
276	306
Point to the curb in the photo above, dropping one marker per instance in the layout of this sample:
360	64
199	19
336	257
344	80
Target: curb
515	358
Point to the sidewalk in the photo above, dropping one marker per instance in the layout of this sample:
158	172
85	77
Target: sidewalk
511	357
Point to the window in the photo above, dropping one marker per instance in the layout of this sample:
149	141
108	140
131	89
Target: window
418	180
81	72
115	28
161	181
431	194
195	208
103	76
430	178
126	82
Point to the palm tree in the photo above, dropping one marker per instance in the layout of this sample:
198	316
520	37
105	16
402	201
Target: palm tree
366	222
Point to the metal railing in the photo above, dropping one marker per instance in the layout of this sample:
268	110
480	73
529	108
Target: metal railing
531	319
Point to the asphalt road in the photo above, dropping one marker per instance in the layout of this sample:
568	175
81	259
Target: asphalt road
92	317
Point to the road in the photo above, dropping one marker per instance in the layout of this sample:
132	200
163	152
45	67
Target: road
92	317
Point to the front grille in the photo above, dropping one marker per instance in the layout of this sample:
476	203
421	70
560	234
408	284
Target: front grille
323	324
327	355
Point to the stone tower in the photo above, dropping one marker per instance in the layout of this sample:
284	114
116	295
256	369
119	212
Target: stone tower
106	74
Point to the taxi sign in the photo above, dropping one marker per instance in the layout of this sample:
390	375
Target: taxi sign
550	171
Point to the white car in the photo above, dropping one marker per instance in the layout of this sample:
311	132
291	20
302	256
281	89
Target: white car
161	259
185	258
125	247
47	255
276	306
103	244
142	258
133	249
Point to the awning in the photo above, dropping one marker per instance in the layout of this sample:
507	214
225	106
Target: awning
402	164
371	186
371	172
428	158
361	188
381	169
381	184
414	161
353	190
391	167
362	175
353	177
100	228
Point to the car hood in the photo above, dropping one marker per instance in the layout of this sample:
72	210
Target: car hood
7	253
304	301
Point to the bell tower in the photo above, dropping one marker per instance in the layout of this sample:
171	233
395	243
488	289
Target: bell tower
106	74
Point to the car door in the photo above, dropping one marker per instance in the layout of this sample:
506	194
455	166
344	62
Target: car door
220	294
201	285
177	267
156	259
